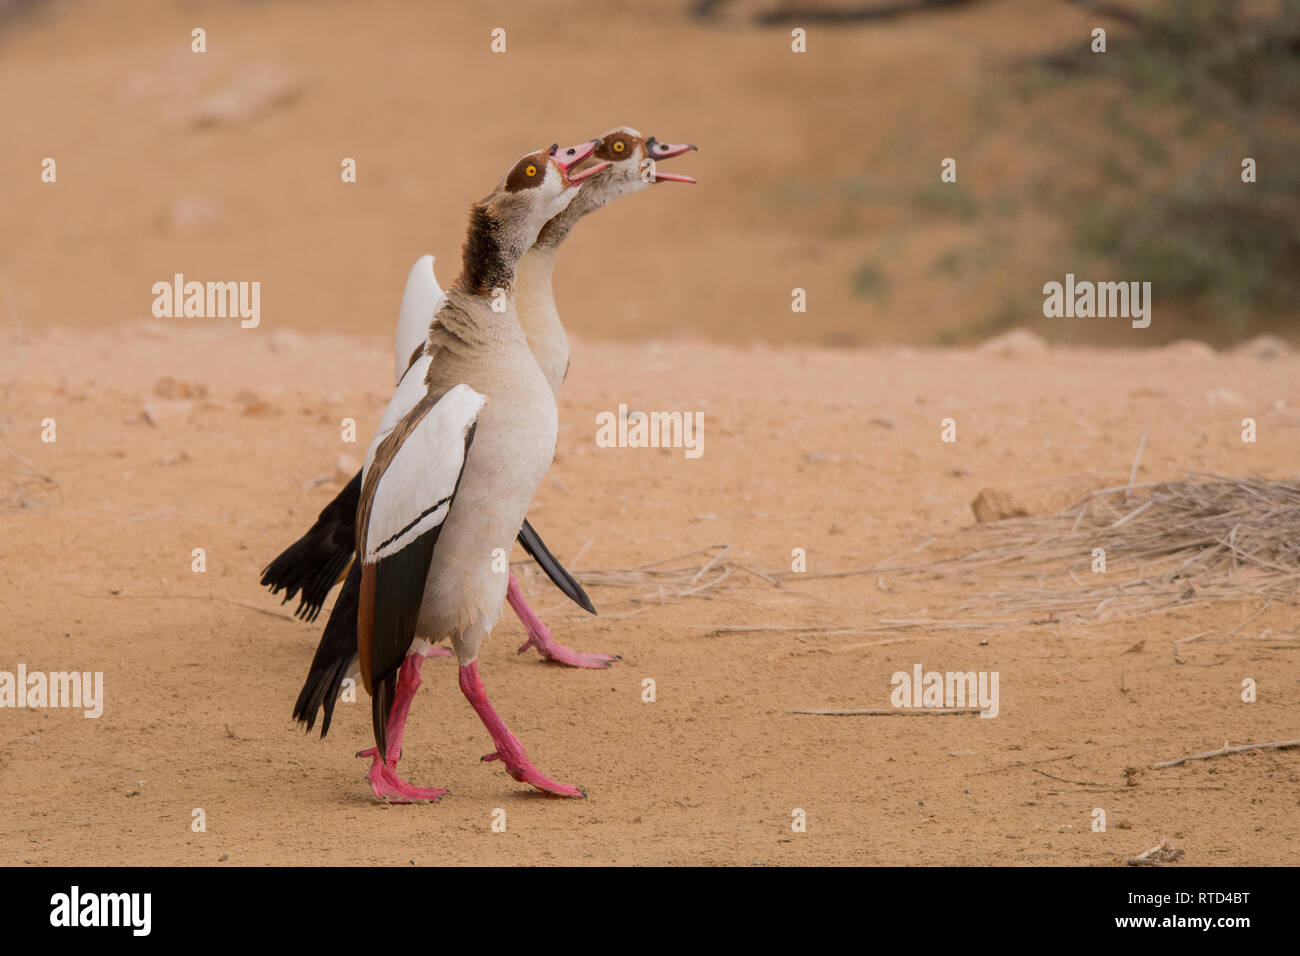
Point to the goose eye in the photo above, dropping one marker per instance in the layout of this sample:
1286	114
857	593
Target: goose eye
530	170
619	146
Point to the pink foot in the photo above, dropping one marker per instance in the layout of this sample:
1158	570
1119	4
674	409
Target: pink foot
384	781
509	749
539	635
391	788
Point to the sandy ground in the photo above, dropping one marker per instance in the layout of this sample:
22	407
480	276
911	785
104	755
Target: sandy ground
837	453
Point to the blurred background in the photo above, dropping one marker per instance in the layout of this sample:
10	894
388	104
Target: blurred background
817	170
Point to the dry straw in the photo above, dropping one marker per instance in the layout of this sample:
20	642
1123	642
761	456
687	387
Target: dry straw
1166	544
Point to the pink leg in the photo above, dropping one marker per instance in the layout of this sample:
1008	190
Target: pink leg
509	749
384	781
539	635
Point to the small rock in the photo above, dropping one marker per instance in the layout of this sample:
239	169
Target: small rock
282	340
252	405
162	412
1189	348
1264	347
994	504
1017	343
168	387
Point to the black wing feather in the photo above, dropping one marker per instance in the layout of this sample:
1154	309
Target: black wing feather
334	656
400	578
532	543
314	562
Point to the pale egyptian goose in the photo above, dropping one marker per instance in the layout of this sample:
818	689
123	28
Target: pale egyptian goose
448	483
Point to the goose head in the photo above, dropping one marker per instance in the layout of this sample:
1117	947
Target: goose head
633	162
625	162
505	223
537	188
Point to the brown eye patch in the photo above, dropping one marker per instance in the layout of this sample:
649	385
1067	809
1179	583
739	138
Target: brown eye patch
528	172
613	148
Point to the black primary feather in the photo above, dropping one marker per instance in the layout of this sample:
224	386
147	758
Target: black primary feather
532	543
399	591
334	656
314	562
381	702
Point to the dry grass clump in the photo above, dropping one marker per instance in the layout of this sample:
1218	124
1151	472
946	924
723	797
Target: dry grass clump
1166	544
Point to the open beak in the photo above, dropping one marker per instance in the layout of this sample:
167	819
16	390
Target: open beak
589	171
657	151
566	159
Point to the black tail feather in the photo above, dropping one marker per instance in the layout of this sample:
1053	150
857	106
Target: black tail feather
334	655
532	543
314	563
381	702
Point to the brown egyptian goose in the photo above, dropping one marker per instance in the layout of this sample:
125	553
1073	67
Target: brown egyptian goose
447	484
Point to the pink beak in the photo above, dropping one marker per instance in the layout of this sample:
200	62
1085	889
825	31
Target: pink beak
658	151
566	159
589	171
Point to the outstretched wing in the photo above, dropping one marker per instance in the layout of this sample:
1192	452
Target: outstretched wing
421	300
407	487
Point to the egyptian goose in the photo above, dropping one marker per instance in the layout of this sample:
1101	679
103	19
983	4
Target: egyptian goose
315	562
447	482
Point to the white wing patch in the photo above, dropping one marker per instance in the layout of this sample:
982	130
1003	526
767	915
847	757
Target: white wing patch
421	300
414	492
407	395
